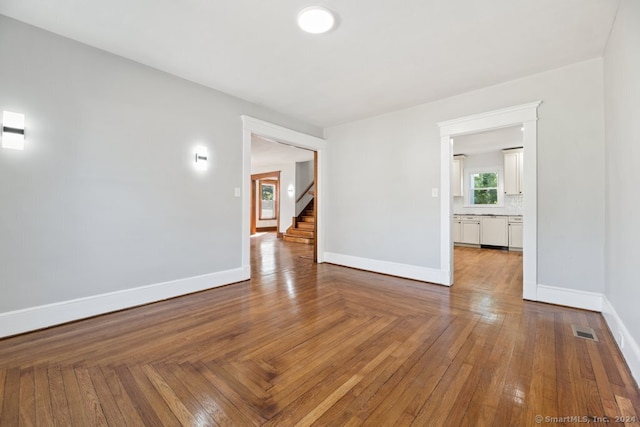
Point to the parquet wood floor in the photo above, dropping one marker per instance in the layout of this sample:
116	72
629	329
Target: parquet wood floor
306	344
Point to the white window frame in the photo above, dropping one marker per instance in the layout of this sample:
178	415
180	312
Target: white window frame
468	203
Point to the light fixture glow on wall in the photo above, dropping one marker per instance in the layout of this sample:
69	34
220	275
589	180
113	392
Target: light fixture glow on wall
201	157
12	130
316	20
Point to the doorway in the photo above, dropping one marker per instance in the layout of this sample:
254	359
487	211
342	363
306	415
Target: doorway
526	116
487	201
254	127
265	202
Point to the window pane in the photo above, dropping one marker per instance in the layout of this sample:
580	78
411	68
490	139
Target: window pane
485	197
267	201
267	192
485	180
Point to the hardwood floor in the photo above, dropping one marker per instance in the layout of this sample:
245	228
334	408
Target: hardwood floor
304	344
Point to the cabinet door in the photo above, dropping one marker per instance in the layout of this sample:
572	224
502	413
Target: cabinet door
471	233
513	172
457	232
515	235
495	231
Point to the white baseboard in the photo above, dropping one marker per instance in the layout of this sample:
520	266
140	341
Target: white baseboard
570	297
627	345
423	274
33	318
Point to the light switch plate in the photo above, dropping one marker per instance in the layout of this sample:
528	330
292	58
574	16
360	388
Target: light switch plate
236	192
434	192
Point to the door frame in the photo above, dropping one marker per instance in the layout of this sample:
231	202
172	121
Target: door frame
255	178
527	116
251	126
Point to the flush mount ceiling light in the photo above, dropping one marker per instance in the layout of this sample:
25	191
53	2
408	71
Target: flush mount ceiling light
316	20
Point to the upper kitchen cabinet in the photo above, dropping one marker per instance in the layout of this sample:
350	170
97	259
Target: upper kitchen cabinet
513	171
457	180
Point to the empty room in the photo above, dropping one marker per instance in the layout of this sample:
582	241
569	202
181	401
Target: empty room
319	213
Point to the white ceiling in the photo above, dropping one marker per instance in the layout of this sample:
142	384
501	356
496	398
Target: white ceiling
483	142
266	152
384	55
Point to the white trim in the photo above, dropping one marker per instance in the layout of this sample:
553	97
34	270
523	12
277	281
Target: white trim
288	136
283	134
446	208
570	297
423	274
495	119
628	347
527	116
44	316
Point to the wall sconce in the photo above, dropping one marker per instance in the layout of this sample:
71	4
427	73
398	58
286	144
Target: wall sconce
202	157
12	130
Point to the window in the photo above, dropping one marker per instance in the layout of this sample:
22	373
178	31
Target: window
268	199
484	188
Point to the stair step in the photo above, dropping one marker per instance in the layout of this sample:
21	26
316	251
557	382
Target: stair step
306	218
296	239
301	232
307	225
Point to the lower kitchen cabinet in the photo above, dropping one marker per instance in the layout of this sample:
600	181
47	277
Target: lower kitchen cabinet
457	230
491	230
466	229
515	232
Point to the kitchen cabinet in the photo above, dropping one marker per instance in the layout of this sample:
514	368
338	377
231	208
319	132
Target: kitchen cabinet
515	232
494	231
457	178
466	229
513	165
457	230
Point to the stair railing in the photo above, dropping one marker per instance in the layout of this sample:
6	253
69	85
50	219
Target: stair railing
304	199
305	192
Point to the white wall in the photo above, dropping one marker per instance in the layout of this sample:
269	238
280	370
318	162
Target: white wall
382	170
104	198
622	113
304	176
287	201
305	172
513	204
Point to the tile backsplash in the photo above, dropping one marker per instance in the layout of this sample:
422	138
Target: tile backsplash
513	205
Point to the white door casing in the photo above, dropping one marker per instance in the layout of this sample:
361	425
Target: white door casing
288	136
527	116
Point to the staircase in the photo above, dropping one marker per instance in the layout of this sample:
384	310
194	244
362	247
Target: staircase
303	229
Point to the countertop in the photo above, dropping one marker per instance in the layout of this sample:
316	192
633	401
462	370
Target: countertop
467	214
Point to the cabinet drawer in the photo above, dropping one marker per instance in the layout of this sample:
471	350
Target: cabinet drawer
515	219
